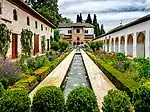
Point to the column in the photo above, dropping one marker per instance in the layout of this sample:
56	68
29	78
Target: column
106	44
126	38
110	45
119	38
147	43
134	45
114	44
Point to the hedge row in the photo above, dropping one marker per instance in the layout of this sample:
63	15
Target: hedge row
29	82
49	99
118	79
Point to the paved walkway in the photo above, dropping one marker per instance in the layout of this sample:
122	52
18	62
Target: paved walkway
56	77
100	83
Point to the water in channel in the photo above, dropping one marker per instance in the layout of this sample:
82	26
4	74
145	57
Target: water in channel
77	76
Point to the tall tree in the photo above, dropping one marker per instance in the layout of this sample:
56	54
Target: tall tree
81	18
96	26
102	30
89	20
78	18
47	8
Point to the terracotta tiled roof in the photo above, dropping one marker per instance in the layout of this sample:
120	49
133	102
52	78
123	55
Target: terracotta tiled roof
69	25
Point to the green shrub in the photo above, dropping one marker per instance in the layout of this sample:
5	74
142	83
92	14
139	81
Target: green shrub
81	100
116	101
63	45
48	99
121	81
141	98
54	45
4	81
27	83
15	101
1	89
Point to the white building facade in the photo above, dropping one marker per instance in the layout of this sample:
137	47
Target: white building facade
16	15
132	39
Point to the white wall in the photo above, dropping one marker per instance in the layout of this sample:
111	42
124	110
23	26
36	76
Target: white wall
142	27
90	31
17	26
64	31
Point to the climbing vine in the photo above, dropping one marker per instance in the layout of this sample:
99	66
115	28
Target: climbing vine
43	44
26	41
4	40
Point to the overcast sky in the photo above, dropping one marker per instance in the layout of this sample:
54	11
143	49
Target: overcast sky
109	12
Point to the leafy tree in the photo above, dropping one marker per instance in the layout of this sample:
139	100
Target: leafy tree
48	99
47	8
78	18
89	20
4	40
81	99
26	41
141	98
56	35
64	19
15	101
116	101
81	18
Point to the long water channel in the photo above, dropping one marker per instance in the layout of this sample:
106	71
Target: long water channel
76	76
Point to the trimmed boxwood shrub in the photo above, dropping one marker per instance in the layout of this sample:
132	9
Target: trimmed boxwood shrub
141	98
15	101
116	101
81	99
48	99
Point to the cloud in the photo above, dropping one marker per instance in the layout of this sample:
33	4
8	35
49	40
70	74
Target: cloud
107	11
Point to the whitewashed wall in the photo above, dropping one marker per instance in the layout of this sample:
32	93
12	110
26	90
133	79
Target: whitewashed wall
17	26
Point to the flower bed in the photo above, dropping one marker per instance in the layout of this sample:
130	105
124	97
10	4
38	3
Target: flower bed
121	81
30	81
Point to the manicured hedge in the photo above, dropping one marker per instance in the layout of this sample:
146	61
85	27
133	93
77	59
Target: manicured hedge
27	83
15	101
141	98
48	99
82	99
116	101
119	80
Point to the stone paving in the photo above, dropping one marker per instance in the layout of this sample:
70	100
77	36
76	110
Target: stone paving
100	83
56	77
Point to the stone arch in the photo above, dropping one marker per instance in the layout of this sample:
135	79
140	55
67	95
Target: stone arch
140	48
130	45
112	45
117	44
122	44
74	43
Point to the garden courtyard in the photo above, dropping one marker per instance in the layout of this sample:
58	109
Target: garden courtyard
75	79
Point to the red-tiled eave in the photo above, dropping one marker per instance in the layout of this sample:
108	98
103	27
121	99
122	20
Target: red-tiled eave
22	5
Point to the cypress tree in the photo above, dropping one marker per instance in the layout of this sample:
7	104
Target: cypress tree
102	29
95	20
78	18
89	20
81	18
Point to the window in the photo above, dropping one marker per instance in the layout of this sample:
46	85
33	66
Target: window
46	28
78	30
0	7
78	38
28	21
69	31
86	31
41	27
15	17
36	26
